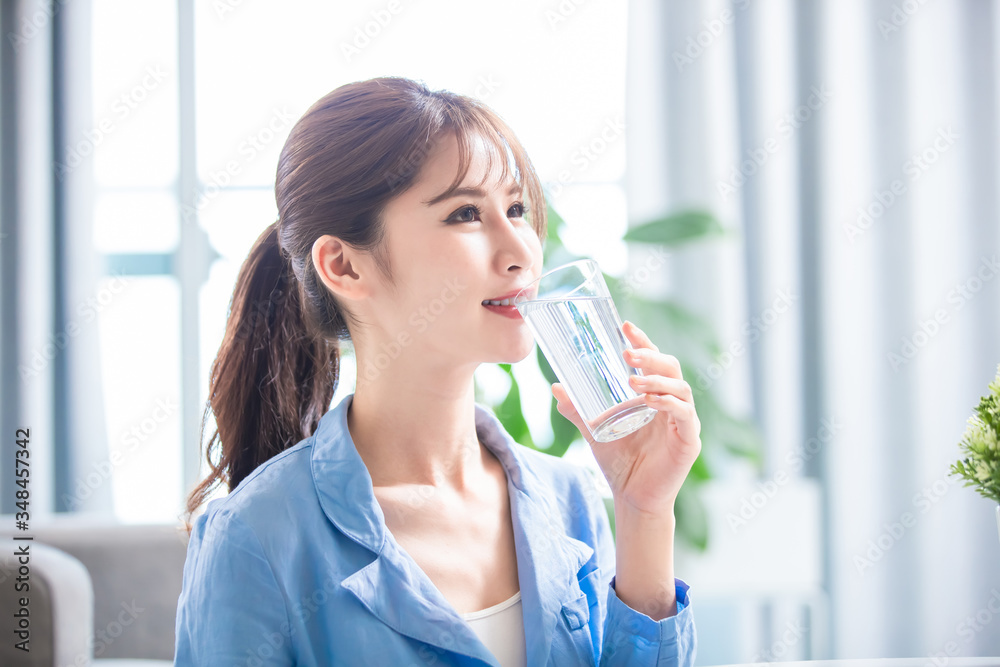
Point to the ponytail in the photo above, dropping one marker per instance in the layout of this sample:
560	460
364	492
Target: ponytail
274	376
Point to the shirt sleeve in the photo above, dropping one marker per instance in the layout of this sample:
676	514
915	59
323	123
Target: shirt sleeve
632	638
231	610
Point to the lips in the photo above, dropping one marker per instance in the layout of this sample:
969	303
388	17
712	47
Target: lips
502	300
503	305
497	302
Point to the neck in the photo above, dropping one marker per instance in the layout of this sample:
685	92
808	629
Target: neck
414	425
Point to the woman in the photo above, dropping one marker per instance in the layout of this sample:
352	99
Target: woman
404	526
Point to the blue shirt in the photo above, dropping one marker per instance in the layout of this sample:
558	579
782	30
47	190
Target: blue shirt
296	567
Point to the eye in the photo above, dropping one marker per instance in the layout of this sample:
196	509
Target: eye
517	210
465	214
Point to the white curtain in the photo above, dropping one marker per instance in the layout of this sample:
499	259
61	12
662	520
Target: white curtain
50	326
851	148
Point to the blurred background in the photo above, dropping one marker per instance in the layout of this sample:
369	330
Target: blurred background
799	199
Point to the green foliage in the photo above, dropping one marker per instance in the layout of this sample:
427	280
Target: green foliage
692	341
509	412
675	229
980	446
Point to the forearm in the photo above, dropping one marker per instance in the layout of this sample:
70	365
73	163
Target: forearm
644	557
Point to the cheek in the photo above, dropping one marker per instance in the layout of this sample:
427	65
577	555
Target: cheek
535	243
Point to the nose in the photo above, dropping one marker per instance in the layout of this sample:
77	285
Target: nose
517	246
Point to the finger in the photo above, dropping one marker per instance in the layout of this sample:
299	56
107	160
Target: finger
637	337
566	408
684	414
659	384
654	363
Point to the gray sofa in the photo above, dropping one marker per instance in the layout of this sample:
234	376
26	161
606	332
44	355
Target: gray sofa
101	593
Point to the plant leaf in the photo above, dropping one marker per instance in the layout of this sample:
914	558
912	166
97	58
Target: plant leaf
675	229
692	519
509	412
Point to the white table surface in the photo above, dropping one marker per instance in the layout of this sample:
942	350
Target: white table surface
884	662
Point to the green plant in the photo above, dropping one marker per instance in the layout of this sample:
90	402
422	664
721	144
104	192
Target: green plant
691	340
980	446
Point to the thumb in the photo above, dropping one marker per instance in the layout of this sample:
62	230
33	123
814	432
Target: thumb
568	410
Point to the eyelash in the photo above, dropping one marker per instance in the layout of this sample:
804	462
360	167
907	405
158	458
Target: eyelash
473	207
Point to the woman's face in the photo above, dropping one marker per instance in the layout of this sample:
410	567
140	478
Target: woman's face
450	256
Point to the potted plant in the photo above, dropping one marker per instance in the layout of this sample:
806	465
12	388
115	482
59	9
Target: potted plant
980	464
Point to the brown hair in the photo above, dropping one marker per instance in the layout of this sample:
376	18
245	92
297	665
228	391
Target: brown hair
344	160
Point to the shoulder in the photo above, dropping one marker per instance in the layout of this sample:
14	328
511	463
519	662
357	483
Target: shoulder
278	489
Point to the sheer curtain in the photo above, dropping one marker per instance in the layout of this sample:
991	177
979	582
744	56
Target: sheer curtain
851	149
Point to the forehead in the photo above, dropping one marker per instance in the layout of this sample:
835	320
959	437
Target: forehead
485	163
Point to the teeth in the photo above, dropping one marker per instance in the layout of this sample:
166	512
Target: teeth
491	302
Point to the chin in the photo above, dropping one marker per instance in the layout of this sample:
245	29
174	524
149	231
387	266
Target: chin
516	352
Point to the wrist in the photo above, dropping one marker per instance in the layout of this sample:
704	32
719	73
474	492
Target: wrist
625	511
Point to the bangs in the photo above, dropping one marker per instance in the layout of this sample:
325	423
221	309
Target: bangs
472	122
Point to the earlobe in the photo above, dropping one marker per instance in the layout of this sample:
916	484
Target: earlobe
336	266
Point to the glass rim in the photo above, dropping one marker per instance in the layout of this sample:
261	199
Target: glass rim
530	292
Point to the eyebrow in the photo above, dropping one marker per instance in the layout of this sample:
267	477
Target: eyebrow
465	192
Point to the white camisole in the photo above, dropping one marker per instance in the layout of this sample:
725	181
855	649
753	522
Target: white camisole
501	629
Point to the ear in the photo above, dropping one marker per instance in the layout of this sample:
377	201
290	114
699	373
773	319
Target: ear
342	269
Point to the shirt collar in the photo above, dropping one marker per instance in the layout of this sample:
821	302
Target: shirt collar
548	559
345	486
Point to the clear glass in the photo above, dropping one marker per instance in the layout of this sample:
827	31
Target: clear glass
570	312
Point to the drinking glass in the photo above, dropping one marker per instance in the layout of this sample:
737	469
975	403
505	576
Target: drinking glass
574	321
